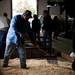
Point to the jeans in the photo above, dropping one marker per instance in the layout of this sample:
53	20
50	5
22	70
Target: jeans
10	49
34	35
2	43
48	40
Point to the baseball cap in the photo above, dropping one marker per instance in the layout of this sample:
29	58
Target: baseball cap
28	13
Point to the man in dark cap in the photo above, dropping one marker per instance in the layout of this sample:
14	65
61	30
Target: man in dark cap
19	25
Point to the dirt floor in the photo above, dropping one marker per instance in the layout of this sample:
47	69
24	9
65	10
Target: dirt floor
38	67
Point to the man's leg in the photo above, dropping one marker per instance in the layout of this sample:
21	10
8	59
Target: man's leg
22	56
34	35
45	38
72	54
73	40
8	51
38	35
50	43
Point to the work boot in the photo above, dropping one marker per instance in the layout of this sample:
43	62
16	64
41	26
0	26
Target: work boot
5	65
24	66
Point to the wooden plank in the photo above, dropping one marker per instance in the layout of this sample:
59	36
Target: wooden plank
67	57
64	55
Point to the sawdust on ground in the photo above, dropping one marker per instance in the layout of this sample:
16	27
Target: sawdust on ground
38	67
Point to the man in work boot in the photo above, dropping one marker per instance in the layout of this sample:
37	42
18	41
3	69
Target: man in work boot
19	25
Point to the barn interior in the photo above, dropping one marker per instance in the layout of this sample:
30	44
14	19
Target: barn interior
37	59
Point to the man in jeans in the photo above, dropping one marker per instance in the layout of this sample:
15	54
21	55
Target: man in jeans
47	27
19	25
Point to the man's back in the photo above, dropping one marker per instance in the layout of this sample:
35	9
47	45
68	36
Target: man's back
47	22
17	26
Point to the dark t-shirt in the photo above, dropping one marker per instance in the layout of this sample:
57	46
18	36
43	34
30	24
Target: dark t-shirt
47	23
36	25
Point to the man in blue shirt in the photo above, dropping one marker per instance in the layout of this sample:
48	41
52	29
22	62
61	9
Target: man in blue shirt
19	25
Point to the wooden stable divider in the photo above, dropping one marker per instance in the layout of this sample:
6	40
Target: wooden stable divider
64	55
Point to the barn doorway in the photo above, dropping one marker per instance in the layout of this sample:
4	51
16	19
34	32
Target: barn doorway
19	6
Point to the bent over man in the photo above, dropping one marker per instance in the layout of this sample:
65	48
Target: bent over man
19	25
